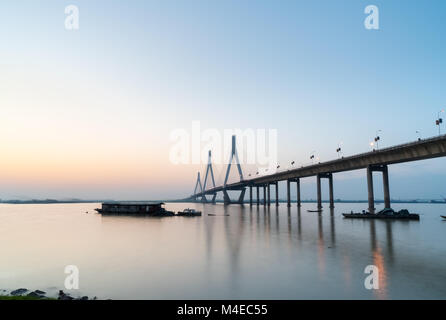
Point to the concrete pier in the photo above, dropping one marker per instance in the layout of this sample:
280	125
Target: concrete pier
258	196
331	195
386	187
277	194
299	204
264	195
288	193
328	176
227	200
250	196
371	196
269	194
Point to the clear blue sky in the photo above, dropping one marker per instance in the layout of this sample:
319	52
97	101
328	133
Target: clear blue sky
136	70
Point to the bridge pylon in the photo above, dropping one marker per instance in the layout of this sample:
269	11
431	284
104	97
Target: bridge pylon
237	162
198	184
234	156
211	171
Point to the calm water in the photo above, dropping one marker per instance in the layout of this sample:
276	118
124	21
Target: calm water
252	253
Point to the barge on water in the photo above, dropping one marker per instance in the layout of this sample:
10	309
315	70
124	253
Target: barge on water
154	209
384	214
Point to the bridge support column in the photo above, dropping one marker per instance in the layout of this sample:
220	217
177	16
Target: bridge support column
330	184
288	193
371	196
277	193
213	198
299	204
386	186
385	171
264	195
250	196
227	199
242	196
328	176
258	196
269	194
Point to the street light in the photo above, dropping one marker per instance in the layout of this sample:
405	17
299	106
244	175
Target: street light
339	149
312	156
439	121
377	138
419	135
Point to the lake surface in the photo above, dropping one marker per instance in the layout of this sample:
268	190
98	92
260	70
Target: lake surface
254	253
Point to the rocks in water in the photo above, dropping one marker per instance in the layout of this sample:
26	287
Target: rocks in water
19	292
39	294
64	296
34	295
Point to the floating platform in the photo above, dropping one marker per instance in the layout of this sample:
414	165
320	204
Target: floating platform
154	209
389	214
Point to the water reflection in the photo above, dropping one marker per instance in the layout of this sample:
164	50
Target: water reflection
248	225
241	252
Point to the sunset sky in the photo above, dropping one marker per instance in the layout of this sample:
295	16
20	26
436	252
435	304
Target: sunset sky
89	113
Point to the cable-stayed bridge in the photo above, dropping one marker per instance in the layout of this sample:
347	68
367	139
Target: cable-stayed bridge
376	160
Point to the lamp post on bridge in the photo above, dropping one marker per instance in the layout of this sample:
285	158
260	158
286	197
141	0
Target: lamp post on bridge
419	134
439	121
377	138
339	150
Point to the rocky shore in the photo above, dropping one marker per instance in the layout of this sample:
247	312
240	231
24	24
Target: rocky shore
26	294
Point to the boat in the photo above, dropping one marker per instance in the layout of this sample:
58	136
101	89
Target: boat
189	213
444	217
386	213
319	210
154	209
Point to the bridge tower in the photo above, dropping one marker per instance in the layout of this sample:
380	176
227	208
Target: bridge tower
209	169
237	162
233	156
198	184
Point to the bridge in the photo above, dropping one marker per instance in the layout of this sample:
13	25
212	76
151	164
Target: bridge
376	160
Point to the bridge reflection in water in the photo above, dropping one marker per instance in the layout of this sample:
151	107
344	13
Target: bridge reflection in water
325	255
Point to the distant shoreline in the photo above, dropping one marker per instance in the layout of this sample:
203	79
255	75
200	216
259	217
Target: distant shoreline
50	201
